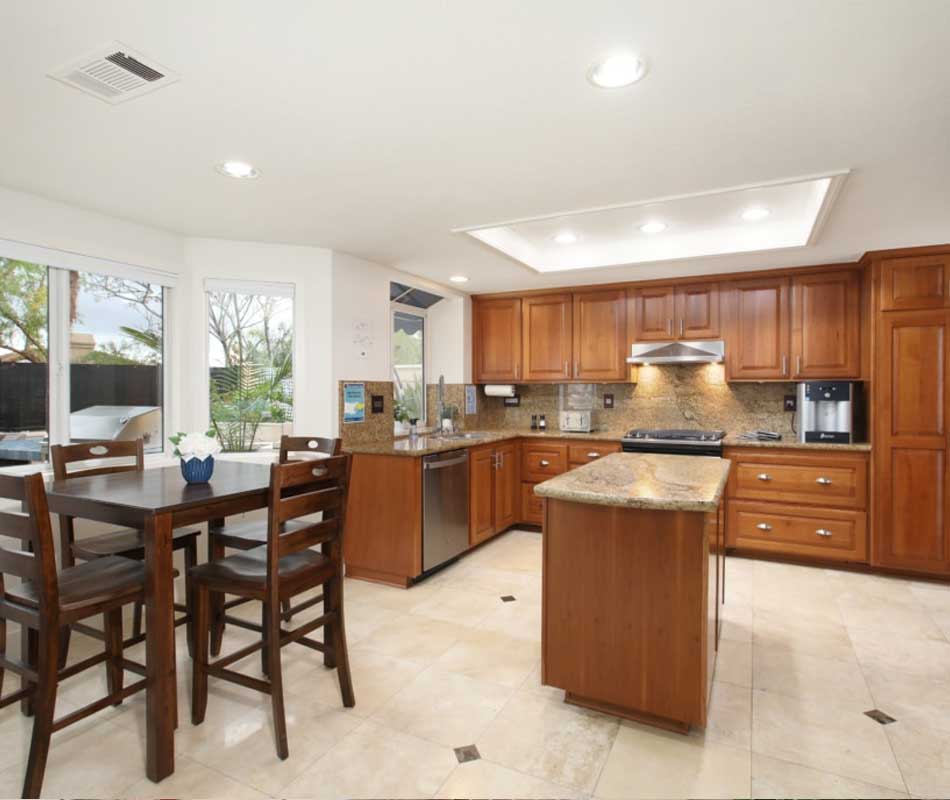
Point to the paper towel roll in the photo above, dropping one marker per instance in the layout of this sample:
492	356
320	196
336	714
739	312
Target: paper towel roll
499	390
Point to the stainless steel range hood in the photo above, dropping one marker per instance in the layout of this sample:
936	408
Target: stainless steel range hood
677	352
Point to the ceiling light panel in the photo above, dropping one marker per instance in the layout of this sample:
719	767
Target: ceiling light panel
695	226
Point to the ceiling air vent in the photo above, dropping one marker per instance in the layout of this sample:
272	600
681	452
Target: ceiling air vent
114	73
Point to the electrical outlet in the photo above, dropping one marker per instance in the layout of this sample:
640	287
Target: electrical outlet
608	401
791	402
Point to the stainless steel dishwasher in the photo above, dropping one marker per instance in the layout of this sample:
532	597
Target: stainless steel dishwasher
444	507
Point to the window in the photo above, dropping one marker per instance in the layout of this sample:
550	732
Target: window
115	359
250	357
24	362
408	364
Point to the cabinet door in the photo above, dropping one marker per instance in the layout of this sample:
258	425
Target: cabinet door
546	333
507	487
481	494
497	340
697	311
600	323
915	282
758	341
912	483
653	310
826	326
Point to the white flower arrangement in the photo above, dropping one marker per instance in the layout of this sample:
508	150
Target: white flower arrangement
195	445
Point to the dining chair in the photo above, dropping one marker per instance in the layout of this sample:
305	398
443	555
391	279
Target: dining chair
246	535
44	602
279	570
125	542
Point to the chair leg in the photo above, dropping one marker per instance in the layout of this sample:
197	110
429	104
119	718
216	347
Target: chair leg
3	649
287	616
29	647
45	705
191	560
137	619
334	588
199	677
64	635
216	603
265	639
112	626
276	680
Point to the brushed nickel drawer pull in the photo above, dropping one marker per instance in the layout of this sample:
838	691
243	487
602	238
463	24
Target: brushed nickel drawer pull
764	476
544	463
593	454
824	481
823	532
764	526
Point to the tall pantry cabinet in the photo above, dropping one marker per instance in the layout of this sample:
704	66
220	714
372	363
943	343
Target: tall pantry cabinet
910	409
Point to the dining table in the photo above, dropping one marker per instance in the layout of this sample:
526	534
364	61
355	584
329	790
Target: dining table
158	500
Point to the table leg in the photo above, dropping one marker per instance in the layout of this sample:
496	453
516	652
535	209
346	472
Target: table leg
162	703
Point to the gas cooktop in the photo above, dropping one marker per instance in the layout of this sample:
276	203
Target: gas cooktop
675	441
675	435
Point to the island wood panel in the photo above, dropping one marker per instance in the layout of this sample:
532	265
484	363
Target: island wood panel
826	325
912	481
757	346
496	340
383	538
625	627
915	282
547	337
697	311
653	310
600	322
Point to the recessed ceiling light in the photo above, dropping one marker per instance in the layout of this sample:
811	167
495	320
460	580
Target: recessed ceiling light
459	279
653	227
566	237
237	169
617	71
755	213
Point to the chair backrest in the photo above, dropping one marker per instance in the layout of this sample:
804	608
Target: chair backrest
308	444
35	561
299	489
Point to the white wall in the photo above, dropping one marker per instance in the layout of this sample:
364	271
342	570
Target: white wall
450	352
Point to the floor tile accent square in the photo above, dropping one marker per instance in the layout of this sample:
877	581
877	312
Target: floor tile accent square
467	753
508	598
879	716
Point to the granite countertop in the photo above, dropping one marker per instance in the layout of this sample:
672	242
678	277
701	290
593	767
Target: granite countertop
643	481
425	444
733	440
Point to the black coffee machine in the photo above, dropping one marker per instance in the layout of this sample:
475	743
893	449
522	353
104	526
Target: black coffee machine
831	412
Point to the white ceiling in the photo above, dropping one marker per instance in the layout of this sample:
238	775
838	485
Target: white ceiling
379	127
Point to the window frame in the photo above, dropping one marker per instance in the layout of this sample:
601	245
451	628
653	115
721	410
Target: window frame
422	313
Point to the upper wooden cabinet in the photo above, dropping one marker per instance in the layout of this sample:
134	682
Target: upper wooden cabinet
665	313
915	282
826	325
757	347
600	322
496	340
547	337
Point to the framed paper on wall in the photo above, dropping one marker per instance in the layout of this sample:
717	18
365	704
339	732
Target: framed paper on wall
354	402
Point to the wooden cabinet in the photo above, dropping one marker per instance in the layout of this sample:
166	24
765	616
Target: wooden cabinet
494	490
547	337
600	323
911	399
496	340
532	506
665	313
580	454
815	479
542	461
826	325
757	346
914	282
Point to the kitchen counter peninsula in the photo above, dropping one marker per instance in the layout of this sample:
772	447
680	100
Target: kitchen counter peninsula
633	580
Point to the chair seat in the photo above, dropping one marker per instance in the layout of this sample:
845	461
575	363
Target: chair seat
248	571
126	542
252	533
109	581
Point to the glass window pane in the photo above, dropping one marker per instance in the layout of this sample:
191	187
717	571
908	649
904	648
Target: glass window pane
24	373
115	358
251	346
408	359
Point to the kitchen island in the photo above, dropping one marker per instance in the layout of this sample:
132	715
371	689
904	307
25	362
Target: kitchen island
633	579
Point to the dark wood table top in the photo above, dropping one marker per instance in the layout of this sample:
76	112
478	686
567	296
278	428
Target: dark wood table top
163	489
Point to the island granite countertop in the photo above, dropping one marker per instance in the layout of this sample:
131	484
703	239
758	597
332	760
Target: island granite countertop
645	481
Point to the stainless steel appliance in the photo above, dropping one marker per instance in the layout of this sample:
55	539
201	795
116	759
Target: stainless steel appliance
674	442
444	507
710	352
830	411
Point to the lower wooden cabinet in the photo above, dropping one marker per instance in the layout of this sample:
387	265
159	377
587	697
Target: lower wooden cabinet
494	490
532	506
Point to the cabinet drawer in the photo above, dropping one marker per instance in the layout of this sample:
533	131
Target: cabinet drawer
532	506
542	461
836	482
791	530
578	454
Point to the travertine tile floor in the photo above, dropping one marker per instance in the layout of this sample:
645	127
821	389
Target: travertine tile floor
448	664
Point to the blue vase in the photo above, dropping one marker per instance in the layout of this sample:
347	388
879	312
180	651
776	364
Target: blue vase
197	471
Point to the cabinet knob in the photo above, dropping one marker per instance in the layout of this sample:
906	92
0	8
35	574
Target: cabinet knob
764	526
593	454
824	481
764	476
544	462
823	532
